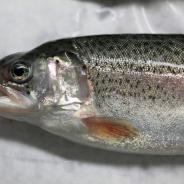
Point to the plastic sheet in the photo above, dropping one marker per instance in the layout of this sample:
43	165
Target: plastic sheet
31	155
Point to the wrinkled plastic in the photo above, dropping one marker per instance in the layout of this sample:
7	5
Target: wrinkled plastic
34	156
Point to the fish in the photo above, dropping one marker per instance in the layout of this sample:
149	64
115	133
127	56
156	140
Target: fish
121	93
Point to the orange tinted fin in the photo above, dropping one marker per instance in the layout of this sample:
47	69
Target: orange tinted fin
109	129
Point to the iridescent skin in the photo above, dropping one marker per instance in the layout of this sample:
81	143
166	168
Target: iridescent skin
135	82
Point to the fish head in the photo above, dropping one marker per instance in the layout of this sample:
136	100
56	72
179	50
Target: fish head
31	86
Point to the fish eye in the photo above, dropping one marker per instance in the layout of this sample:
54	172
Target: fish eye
20	72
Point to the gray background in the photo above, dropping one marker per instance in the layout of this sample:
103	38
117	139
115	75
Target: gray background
31	155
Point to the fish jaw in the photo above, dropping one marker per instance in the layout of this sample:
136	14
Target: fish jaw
14	103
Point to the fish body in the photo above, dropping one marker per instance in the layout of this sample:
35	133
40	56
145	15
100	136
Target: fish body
117	92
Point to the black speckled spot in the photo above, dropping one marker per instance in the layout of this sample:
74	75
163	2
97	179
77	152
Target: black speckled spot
137	84
131	65
157	87
138	45
127	80
146	44
125	46
149	87
110	48
135	51
151	97
146	50
118	64
154	53
123	93
176	52
134	94
98	74
160	71
171	43
120	82
110	80
158	43
96	64
130	94
98	91
173	71
154	70
159	50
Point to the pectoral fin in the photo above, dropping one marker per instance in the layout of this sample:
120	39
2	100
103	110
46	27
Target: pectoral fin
110	129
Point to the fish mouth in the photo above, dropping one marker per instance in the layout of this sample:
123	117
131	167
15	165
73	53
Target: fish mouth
13	101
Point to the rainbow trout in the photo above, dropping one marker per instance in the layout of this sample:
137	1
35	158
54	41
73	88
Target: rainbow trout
116	92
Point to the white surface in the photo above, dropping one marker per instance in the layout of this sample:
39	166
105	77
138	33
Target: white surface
30	155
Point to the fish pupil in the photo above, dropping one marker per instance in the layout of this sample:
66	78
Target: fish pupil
19	71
